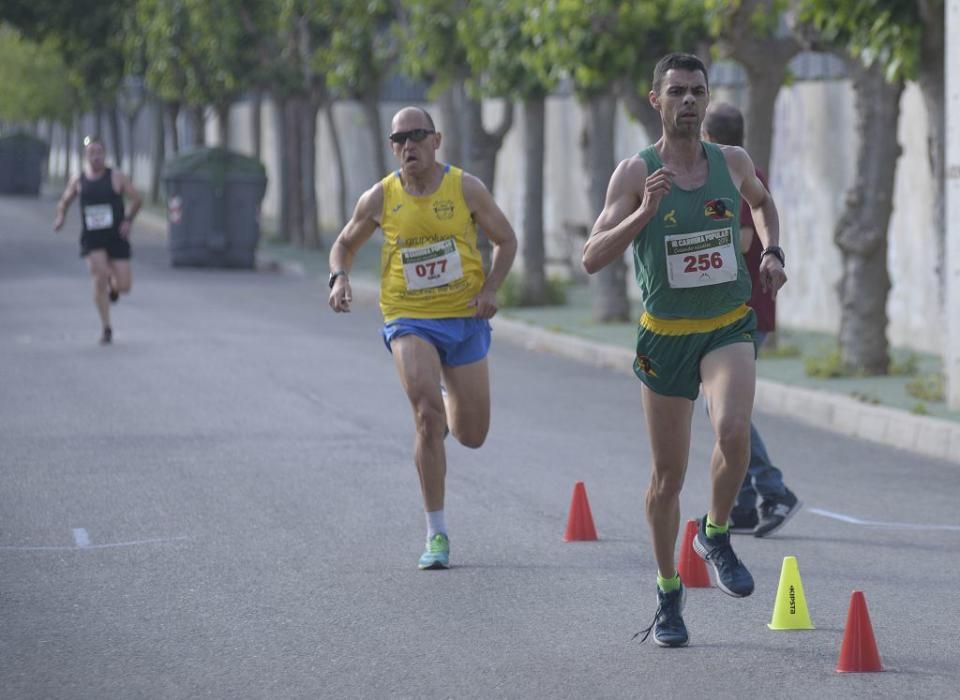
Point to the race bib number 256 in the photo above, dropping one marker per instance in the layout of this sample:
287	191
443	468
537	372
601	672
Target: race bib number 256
701	259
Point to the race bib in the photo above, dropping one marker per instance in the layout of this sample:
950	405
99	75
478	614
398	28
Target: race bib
433	265
701	259
98	216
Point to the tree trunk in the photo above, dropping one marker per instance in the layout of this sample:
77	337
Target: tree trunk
159	151
932	85
534	291
48	138
98	123
449	103
370	102
172	110
223	125
481	158
67	147
310	108
256	123
765	81
77	126
283	172
132	151
765	60
639	107
609	288
291	163
114	120
481	151
861	232
342	207
198	126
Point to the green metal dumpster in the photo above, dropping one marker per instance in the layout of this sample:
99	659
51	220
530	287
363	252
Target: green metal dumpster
22	159
213	208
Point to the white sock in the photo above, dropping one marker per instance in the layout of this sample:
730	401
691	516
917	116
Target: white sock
436	522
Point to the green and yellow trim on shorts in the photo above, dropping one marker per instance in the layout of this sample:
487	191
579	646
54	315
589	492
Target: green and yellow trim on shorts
669	350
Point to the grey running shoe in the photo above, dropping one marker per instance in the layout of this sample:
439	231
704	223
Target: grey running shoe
774	513
107	336
667	626
731	575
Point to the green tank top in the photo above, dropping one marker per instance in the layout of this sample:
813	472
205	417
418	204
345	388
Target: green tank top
687	258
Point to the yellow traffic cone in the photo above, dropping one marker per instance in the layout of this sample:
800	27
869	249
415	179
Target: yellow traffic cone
790	608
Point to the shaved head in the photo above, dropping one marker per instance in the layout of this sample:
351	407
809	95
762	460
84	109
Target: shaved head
724	124
413	118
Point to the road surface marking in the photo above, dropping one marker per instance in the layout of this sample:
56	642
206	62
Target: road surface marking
81	537
109	545
878	523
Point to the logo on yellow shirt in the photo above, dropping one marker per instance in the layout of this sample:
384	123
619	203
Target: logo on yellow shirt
443	208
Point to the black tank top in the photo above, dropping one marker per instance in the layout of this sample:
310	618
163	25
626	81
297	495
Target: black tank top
101	208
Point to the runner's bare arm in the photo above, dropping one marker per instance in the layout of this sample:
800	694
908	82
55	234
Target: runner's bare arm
126	189
366	218
494	224
764	211
65	200
632	200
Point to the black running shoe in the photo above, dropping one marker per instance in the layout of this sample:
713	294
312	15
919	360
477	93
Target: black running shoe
107	336
113	294
731	575
667	626
775	513
743	521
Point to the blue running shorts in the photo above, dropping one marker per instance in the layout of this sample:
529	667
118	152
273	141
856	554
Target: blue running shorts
459	341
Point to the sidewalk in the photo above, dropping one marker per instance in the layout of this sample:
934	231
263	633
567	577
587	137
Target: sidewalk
878	409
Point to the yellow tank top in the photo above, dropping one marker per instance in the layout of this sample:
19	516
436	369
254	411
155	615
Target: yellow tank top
430	266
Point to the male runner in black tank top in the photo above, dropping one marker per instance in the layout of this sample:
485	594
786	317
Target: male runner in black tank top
104	241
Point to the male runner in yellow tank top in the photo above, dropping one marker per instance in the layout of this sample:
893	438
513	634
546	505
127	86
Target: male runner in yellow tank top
434	296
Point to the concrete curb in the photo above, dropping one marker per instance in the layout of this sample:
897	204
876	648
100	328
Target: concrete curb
926	435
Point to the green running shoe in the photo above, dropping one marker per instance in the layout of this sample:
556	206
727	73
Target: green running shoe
437	554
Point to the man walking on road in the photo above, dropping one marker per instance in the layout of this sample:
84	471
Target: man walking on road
724	125
105	237
435	298
677	204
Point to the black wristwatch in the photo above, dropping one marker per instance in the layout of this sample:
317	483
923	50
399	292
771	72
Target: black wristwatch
334	275
777	252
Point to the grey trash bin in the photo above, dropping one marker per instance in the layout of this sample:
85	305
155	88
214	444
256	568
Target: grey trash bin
213	208
22	158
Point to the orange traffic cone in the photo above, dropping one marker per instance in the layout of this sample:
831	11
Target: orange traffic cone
858	653
692	569
580	521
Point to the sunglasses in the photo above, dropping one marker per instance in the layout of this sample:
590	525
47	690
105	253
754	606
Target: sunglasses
415	135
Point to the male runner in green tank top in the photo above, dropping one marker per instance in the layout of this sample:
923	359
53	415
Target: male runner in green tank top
677	203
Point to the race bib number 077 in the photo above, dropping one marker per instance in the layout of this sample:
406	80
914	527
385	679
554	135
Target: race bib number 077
433	265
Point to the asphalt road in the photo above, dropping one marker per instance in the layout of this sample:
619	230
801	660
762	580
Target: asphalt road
223	504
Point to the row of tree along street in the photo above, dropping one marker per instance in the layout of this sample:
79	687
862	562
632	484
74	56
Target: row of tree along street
107	57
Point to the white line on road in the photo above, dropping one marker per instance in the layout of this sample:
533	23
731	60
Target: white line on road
28	548
878	523
81	537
